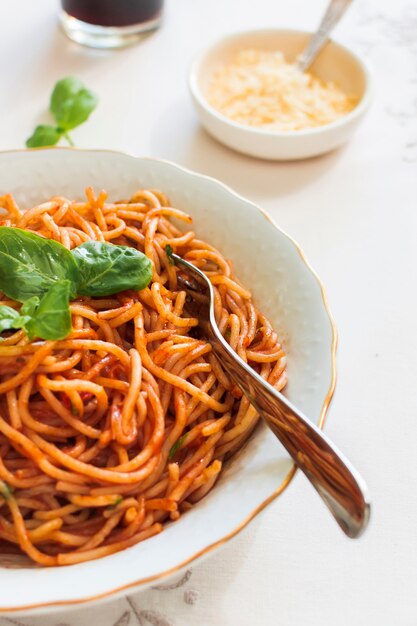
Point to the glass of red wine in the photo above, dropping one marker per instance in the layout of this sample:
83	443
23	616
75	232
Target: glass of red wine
109	23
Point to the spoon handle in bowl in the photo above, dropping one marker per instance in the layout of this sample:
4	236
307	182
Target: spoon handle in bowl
333	14
335	479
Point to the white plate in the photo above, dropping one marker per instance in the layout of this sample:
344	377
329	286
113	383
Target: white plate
284	287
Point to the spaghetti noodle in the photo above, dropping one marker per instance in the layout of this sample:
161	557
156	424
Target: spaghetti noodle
125	424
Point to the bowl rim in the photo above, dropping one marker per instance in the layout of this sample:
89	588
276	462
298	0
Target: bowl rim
197	94
135	585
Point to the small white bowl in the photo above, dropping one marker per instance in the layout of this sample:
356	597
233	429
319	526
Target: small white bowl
335	63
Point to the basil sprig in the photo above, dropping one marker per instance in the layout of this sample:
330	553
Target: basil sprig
71	104
45	276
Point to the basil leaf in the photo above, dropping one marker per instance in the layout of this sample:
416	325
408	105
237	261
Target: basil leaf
64	89
5	490
30	265
30	306
8	317
71	103
105	269
52	318
169	251
11	319
115	503
177	445
48	318
44	136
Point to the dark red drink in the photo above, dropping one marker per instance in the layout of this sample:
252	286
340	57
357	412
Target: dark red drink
109	23
113	12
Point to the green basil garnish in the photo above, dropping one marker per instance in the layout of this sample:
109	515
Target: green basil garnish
105	269
45	276
48	317
115	503
168	252
5	490
30	264
52	318
177	445
30	306
9	318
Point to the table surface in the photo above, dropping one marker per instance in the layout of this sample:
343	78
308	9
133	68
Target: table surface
354	213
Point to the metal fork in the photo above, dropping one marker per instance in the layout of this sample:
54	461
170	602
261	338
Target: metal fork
337	482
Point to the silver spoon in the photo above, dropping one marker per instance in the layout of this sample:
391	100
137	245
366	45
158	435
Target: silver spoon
337	482
333	14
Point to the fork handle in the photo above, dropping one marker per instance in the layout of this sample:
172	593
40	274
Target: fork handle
331	474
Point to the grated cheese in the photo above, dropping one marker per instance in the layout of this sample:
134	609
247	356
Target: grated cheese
259	88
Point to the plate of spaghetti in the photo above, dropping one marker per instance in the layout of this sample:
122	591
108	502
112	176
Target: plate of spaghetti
126	451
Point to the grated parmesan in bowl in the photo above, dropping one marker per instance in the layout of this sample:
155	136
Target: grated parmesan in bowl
260	88
251	97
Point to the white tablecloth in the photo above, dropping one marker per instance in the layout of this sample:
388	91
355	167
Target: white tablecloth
354	213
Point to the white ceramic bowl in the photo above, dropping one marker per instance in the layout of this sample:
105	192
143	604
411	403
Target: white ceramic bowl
335	63
285	288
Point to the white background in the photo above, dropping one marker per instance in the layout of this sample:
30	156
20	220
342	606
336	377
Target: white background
354	213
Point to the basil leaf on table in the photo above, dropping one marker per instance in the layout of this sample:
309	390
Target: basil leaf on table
30	265
71	103
64	89
105	269
44	136
52	318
